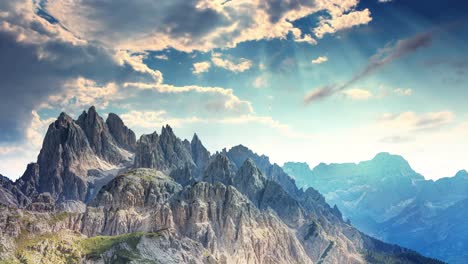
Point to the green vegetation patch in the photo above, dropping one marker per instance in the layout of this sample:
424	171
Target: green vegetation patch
58	217
94	247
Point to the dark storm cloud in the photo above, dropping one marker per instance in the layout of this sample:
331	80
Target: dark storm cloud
382	58
277	8
28	79
319	94
178	18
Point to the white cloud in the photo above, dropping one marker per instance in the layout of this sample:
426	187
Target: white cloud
156	119
161	57
411	121
222	100
319	60
82	93
135	60
201	67
239	65
211	24
343	21
403	92
358	94
260	82
15	157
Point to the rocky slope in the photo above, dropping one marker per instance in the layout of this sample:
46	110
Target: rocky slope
175	203
386	198
144	215
77	158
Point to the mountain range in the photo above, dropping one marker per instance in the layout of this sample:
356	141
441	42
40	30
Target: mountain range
98	195
386	198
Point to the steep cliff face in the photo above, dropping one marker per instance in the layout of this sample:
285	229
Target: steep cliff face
124	137
218	217
163	152
10	195
200	154
99	137
29	182
239	154
77	157
64	160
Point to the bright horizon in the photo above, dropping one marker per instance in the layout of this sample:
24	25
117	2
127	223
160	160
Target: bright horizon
16	168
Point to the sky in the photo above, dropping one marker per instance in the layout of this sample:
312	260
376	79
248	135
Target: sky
313	81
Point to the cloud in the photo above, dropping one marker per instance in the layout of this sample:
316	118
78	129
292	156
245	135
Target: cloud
189	25
319	60
14	157
161	57
358	94
396	139
319	94
33	72
81	93
343	21
215	99
260	82
156	119
240	65
201	67
403	92
385	1
412	121
379	60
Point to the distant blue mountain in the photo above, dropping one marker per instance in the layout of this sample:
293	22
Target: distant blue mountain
386	198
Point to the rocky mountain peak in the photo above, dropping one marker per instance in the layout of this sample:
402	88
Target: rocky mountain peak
220	170
166	131
63	119
238	154
99	137
200	154
123	136
165	152
462	174
390	159
249	167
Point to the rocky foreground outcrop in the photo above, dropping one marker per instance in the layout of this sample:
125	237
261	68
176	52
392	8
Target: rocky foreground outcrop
175	203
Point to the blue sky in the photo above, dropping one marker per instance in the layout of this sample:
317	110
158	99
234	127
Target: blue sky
315	81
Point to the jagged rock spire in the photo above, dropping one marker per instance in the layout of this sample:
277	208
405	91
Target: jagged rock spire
99	137
123	136
164	152
220	169
200	154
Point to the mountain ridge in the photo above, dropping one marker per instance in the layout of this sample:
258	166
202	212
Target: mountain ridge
176	189
395	204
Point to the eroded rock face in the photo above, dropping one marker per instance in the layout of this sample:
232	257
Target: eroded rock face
11	195
199	223
123	136
64	160
220	169
217	216
29	182
200	155
74	156
99	137
163	152
239	154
